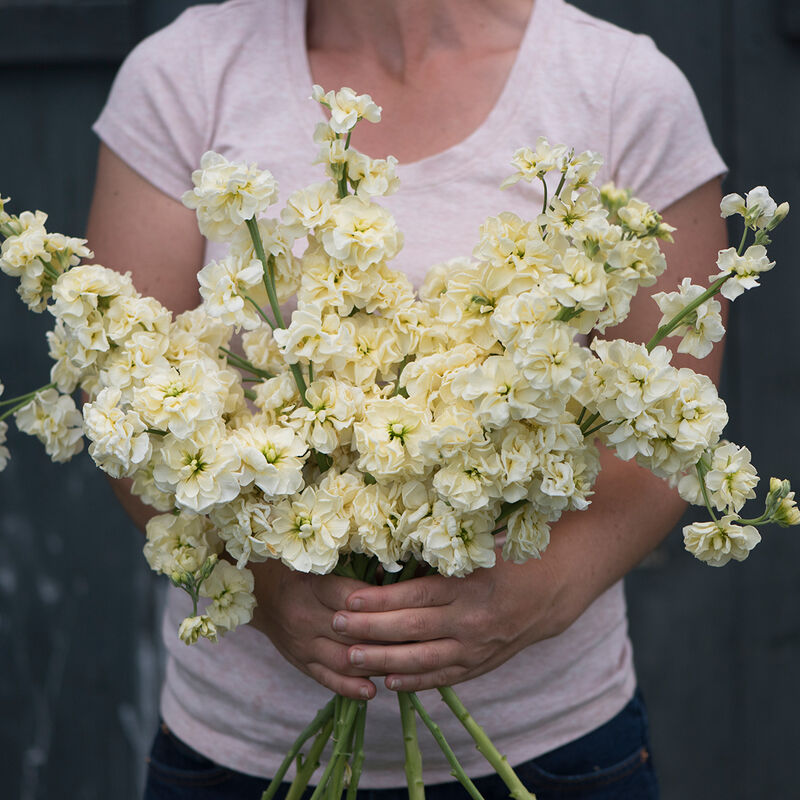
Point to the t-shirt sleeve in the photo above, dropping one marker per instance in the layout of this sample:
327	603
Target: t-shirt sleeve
660	145
155	118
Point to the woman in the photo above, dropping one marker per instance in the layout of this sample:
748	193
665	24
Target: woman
543	645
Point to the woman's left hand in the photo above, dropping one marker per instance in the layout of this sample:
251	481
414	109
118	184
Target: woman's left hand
436	631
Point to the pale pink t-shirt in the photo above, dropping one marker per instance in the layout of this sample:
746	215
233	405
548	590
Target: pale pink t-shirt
235	78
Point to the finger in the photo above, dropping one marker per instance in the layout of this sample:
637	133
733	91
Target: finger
334	656
433	590
332	590
446	676
406	625
418	658
356	688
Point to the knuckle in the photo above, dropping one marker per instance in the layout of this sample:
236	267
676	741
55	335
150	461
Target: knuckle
415	625
431	658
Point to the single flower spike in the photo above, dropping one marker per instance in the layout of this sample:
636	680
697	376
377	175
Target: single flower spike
781	504
759	210
346	107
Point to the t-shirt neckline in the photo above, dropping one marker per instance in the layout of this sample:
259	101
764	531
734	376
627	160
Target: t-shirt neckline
453	162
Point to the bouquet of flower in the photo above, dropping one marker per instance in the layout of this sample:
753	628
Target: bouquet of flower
380	434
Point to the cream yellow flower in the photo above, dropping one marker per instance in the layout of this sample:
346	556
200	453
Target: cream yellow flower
179	543
717	542
226	194
192	629
231	593
119	442
55	421
360	233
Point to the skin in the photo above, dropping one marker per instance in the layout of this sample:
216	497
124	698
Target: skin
437	67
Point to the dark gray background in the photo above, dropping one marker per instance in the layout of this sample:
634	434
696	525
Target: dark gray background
717	651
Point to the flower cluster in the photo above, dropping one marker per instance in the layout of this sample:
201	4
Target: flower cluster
380	426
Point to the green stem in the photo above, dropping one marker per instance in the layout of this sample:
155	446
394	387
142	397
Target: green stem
485	746
589	422
666	329
27	396
701	475
344	723
560	184
740	248
243	363
358	750
544	202
321	718
309	765
337	781
260	311
457	771
596	428
269	282
51	270
416	786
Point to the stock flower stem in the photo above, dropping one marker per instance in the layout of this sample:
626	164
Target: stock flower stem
306	769
259	310
320	720
485	746
457	770
244	364
595	429
589	422
740	249
701	475
358	760
408	719
342	726
27	396
269	285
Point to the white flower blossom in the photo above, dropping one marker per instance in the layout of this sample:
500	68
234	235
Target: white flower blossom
699	329
119	441
360	233
346	107
179	543
231	593
744	270
717	542
54	420
226	194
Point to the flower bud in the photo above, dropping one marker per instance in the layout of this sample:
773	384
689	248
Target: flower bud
781	212
192	628
787	513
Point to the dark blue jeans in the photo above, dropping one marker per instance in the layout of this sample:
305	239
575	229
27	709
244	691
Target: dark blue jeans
612	762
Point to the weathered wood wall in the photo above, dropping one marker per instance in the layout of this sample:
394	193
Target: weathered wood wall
718	651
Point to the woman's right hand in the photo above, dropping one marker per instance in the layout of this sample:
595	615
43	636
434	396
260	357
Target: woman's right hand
295	610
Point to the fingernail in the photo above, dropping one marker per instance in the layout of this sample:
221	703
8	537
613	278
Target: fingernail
356	604
394	683
357	657
339	623
364	692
